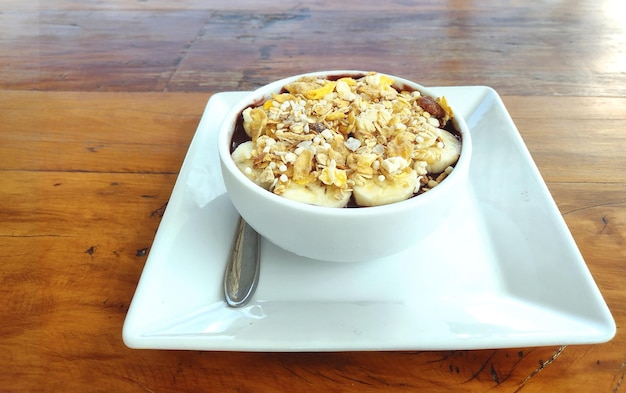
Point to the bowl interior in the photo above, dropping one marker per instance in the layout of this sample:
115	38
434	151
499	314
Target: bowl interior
258	96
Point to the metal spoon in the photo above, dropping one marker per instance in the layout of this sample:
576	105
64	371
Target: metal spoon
242	271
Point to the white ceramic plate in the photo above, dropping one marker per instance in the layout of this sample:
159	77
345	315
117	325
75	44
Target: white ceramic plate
504	271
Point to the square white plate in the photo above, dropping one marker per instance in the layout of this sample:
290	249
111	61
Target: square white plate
504	271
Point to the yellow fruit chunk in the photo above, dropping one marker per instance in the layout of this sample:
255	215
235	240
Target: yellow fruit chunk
320	92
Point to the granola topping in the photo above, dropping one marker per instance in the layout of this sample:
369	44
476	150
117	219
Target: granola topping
327	142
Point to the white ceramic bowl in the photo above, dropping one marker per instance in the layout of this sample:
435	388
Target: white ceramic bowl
339	234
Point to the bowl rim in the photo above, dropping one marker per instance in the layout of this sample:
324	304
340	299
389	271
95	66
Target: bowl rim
260	94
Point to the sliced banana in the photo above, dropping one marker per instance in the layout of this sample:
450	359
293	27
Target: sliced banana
382	191
242	156
448	155
317	194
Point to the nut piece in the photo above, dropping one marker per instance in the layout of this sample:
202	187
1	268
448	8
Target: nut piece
431	106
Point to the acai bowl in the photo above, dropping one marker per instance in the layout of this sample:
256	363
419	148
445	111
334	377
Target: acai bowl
344	165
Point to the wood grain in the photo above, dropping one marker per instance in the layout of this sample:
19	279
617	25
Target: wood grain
98	104
547	48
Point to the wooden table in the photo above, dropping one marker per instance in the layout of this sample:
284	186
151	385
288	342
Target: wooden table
99	102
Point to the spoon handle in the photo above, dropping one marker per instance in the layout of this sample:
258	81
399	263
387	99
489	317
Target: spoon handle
242	271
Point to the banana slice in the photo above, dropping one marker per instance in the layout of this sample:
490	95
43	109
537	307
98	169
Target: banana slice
317	194
242	156
382	191
448	155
